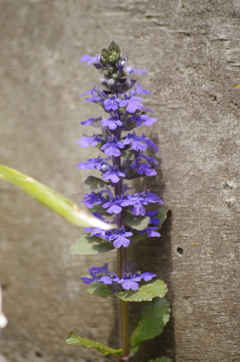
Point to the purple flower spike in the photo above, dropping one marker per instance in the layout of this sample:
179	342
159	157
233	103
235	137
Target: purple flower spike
111	148
113	174
121	97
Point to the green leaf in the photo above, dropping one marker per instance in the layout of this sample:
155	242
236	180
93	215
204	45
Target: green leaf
90	245
99	289
74	340
162	214
93	184
151	322
137	222
54	201
129	154
146	292
163	359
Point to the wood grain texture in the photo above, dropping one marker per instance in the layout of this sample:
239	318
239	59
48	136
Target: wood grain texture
192	52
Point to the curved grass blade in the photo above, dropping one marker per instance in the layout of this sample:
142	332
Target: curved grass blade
51	199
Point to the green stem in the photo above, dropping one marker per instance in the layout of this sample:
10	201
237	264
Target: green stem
124	319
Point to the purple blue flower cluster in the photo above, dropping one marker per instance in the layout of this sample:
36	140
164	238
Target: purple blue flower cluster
120	97
115	284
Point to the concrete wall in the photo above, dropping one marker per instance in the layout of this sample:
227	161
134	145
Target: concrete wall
191	49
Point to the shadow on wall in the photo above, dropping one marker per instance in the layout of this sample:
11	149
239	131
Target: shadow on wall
153	255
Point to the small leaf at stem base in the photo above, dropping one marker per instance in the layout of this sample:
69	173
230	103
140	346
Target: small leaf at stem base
74	340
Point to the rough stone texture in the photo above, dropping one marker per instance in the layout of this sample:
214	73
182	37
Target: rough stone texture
191	49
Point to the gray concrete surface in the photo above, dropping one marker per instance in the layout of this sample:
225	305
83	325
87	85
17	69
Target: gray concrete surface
191	49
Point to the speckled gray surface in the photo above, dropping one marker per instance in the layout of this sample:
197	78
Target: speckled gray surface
191	50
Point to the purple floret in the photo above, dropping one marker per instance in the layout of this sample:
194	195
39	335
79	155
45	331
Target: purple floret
131	103
142	168
90	141
138	90
130	70
137	142
120	238
91	121
115	204
111	103
89	59
94	198
143	118
92	163
113	174
144	198
150	143
130	281
111	148
112	122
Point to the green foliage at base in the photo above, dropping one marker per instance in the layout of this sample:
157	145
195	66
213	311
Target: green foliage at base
74	340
